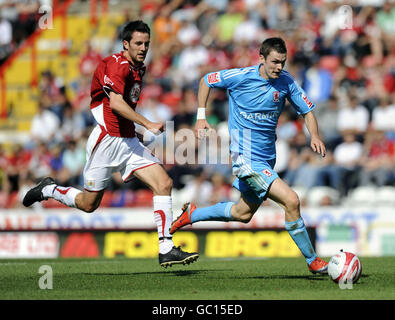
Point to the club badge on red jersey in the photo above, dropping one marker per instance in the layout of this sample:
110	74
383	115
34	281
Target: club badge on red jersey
135	93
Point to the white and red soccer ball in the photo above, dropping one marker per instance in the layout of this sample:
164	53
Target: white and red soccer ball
344	267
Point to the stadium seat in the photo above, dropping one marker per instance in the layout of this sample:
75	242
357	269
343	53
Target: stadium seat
13	199
118	199
302	193
106	200
385	196
130	198
322	196
8	200
143	198
362	196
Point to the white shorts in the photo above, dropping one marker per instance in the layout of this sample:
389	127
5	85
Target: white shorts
106	154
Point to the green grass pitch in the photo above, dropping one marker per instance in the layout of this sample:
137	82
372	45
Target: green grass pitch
206	279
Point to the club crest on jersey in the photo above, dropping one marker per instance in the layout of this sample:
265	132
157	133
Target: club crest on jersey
267	172
307	101
213	78
91	183
135	93
276	96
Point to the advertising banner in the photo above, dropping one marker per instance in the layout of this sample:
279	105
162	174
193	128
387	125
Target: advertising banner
144	244
14	245
366	231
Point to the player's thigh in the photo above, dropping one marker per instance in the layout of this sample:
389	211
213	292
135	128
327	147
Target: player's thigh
102	157
155	177
253	178
281	193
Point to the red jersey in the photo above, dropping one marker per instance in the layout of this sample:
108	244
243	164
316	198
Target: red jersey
115	73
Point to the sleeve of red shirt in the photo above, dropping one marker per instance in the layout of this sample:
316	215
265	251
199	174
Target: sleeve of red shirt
115	76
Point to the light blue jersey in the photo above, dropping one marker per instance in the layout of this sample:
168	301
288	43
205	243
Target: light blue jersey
256	104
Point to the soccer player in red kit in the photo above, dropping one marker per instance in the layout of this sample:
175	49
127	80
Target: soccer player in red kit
113	146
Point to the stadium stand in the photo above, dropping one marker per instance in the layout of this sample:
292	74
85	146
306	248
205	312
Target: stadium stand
340	66
362	196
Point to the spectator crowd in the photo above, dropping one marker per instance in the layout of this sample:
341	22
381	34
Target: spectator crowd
18	20
341	52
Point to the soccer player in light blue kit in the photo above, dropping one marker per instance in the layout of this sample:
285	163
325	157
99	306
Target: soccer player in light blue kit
256	99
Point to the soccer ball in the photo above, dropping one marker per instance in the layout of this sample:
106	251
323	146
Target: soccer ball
344	267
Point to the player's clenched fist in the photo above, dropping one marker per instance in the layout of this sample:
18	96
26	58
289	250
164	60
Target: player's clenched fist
156	127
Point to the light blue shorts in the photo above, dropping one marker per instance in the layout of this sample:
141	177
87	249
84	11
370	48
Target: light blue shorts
253	178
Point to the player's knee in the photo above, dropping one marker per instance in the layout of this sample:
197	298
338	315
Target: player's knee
165	186
245	218
293	202
88	201
241	215
89	207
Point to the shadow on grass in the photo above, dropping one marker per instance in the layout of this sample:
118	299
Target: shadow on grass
183	273
180	273
315	277
294	277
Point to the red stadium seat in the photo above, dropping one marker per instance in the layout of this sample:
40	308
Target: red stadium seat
143	198
107	199
12	200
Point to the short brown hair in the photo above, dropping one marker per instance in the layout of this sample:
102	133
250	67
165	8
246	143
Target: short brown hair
275	43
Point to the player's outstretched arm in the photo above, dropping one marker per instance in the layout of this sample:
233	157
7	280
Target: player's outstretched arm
316	143
119	105
201	122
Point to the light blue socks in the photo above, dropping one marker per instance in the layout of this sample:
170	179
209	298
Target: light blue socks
217	212
298	232
296	229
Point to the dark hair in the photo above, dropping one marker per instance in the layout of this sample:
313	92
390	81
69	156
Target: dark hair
276	44
133	26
